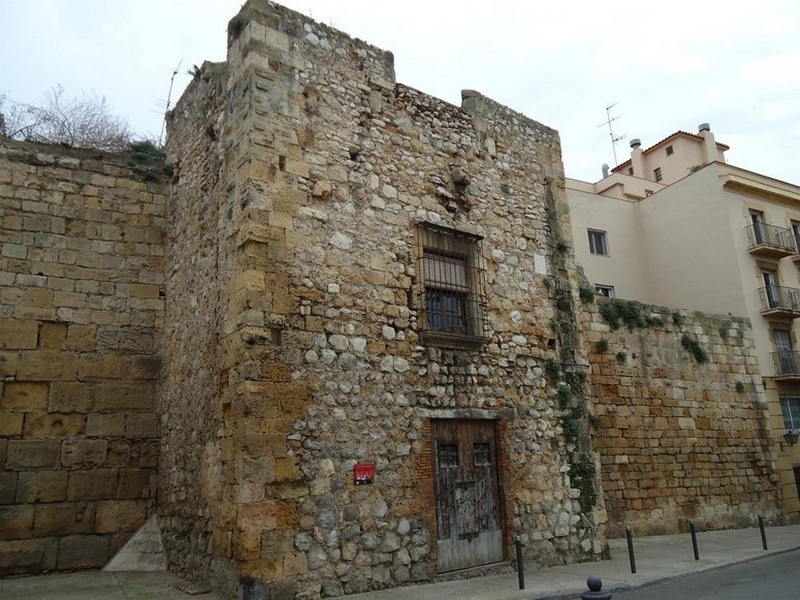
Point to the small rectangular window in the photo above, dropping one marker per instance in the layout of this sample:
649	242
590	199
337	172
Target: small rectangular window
597	242
451	290
448	456
482	454
604	290
790	407
657	173
669	150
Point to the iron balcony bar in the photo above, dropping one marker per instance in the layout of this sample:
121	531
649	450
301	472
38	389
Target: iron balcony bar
770	240
787	364
777	300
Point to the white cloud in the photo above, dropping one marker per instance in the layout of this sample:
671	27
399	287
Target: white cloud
560	63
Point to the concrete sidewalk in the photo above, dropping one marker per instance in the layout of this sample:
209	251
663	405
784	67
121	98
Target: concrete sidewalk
657	558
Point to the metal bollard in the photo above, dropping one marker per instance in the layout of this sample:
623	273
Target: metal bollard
520	564
694	540
595	585
629	535
763	532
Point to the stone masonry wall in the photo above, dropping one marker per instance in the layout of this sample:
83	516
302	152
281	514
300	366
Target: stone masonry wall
679	439
80	273
191	507
328	167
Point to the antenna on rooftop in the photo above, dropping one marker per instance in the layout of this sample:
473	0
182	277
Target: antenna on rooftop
169	97
614	139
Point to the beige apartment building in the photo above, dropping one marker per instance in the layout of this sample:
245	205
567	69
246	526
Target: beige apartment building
677	225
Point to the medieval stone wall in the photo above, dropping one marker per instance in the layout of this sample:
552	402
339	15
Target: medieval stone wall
80	310
679	439
190	477
328	168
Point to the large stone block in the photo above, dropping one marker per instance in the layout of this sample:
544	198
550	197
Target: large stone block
81	337
109	397
95	484
18	334
83	453
25	396
48	366
105	425
11	424
83	552
24	455
52	335
41	486
53	425
28	556
120	515
16	522
63	518
8	487
36	303
136	484
69	396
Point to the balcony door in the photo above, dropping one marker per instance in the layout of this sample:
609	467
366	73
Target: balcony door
770	287
757	217
783	344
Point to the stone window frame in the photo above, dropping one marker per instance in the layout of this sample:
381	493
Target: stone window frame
452	279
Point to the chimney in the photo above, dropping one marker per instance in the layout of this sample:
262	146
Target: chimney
637	158
605	170
709	150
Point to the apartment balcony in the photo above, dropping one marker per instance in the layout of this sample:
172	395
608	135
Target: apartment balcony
787	365
780	301
770	241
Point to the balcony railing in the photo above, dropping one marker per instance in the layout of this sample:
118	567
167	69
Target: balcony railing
780	301
787	364
770	240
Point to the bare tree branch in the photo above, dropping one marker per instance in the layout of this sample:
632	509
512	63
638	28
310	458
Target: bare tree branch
84	123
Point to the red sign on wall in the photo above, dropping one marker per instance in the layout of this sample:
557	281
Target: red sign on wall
364	473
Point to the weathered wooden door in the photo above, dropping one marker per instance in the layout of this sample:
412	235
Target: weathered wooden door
470	530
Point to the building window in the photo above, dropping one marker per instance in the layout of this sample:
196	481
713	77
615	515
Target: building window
669	150
604	290
796	234
771	290
597	242
784	355
452	301
790	407
757	219
657	173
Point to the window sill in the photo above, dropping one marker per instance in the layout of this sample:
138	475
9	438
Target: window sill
441	339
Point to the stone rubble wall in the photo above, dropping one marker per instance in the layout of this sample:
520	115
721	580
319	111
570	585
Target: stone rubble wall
81	259
190	489
680	440
327	168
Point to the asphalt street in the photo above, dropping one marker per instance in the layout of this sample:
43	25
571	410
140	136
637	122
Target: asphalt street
771	578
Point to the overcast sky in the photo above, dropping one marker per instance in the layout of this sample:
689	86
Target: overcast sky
665	66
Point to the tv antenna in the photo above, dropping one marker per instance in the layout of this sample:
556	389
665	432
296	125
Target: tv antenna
169	97
614	139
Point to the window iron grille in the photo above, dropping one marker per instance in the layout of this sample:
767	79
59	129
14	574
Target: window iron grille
452	280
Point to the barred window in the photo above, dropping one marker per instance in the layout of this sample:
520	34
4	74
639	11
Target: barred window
452	282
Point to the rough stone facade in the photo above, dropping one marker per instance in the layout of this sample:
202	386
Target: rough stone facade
277	314
81	266
295	340
680	440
